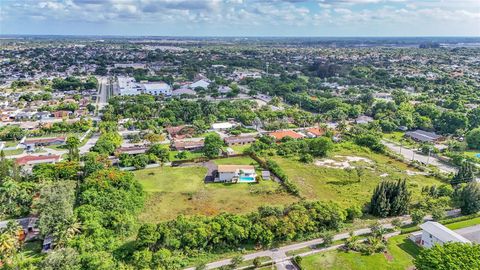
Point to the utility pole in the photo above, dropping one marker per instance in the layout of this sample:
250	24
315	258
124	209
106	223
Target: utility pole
428	158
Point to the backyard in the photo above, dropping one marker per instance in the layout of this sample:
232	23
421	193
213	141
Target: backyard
172	191
349	175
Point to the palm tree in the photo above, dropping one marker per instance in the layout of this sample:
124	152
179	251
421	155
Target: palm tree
66	231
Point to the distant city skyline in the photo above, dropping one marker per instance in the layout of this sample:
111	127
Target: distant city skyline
241	17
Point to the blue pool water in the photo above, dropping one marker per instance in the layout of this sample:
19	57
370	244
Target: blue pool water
478	155
246	179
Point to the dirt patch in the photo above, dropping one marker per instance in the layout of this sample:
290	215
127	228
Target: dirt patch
411	173
388	256
341	162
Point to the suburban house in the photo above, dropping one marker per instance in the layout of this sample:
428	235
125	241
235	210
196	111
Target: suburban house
30	144
183	91
314	132
363	119
223	125
239	140
236	174
29	227
157	88
131	150
180	132
423	136
61	114
188	145
280	134
200	83
435	233
34	160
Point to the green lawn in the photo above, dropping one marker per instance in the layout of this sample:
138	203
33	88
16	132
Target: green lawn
13	152
463	224
344	185
398	137
172	191
239	148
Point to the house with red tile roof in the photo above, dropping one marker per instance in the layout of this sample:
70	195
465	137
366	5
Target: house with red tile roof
33	160
315	132
280	134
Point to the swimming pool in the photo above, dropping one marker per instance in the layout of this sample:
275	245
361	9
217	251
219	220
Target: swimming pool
246	179
478	155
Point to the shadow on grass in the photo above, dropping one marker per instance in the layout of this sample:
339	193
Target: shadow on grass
409	247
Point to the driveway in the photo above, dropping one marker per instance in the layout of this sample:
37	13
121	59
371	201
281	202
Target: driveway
471	233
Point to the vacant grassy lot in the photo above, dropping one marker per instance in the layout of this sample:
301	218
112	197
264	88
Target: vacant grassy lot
348	186
173	191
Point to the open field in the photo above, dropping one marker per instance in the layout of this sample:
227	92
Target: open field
342	183
181	190
401	252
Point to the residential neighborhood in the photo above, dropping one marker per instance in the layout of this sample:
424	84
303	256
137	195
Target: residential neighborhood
169	141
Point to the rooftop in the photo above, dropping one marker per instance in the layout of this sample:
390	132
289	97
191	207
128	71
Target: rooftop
443	233
234	168
285	133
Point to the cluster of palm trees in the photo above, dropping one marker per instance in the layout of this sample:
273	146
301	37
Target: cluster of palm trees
374	243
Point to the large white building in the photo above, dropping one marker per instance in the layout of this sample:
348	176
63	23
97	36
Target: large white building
127	86
157	88
435	233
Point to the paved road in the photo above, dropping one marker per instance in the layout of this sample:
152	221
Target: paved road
102	99
471	233
279	255
412	154
89	144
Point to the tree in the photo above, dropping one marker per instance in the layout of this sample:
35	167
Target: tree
9	241
62	259
213	145
473	138
161	152
354	212
451	122
417	216
107	143
236	261
467	198
465	174
449	256
72	144
390	198
257	262
319	147
400	96
327	237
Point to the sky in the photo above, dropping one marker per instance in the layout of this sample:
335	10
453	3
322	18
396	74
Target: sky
241	17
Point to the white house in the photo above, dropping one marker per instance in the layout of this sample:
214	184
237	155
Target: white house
200	83
157	88
435	233
223	125
236	173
